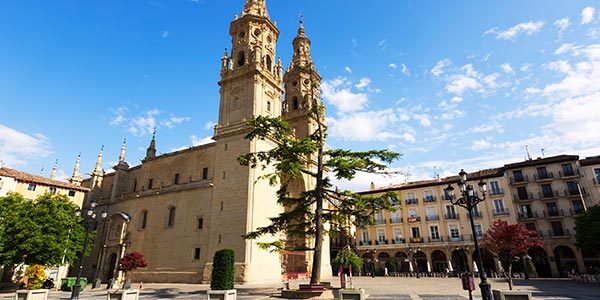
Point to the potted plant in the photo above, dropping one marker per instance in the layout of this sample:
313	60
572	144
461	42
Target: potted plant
129	262
35	274
348	258
222	276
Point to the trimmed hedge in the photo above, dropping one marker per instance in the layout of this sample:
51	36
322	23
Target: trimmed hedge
223	270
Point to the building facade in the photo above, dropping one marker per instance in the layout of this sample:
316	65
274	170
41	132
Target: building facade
179	208
428	234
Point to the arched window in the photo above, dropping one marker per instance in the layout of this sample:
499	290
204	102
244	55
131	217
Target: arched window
295	104
171	217
268	62
241	58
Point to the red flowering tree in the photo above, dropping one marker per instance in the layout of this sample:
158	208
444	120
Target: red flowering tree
509	242
131	261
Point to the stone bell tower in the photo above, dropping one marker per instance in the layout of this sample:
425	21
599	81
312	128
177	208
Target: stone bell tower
250	86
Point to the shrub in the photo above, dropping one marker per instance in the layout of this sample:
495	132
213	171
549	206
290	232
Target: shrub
391	265
346	257
223	270
36	275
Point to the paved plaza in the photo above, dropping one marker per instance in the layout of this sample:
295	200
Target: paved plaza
379	288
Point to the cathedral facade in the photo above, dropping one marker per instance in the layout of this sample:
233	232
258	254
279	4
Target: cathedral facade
179	208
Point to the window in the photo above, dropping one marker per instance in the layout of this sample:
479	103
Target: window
435	232
381	237
241	58
31	187
379	218
597	175
416	232
269	106
518	175
150	181
428	196
196	253
52	190
205	173
573	188
547	190
577	206
450	212
557	228
446	195
542	173
171	217
567	170
397	235
522	191
552	209
431	211
526	211
295	104
495	188
412	213
499	208
134	185
411	198
476	212
478	231
454	233
365	237
396	217
176	179
144	219
530	226
200	223
72	193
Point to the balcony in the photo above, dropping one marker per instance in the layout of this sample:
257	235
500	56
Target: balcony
429	199
416	240
399	241
382	241
559	233
437	239
477	214
548	194
456	238
523	197
576	211
397	220
501	212
544	176
432	217
453	216
519	180
414	219
412	201
496	191
380	221
365	243
528	215
448	197
570	173
573	192
554	213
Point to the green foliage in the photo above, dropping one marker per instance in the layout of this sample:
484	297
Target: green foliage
43	231
305	159
587	227
347	257
35	276
392	265
223	271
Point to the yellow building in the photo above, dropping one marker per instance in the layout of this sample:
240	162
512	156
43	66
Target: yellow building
179	208
429	234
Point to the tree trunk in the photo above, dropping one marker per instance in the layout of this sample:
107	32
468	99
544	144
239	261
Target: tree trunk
315	276
510	283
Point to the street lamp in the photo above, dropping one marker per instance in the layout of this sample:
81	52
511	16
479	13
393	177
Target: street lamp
469	200
88	221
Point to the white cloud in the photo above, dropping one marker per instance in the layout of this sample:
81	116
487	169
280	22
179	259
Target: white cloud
369	126
165	34
562	25
18	148
525	67
423	119
392	65
145	123
587	15
461	83
363	83
405	70
564	48
532	91
528	28
561	66
198	141
339	95
492	126
593	33
348	69
209	125
438	69
170	123
450	110
507	68
480	145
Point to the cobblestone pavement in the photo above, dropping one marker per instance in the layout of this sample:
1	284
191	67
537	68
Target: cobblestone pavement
380	288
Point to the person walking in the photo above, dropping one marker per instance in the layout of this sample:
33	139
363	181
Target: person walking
385	272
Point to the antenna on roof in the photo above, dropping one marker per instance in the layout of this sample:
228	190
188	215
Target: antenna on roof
42	171
527	150
543	156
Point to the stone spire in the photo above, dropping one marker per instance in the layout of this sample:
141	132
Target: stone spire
98	171
301	45
151	151
256	8
122	154
76	178
53	173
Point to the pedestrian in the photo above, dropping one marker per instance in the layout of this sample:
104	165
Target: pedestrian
385	272
447	272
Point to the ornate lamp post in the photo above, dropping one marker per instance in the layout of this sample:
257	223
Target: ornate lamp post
88	221
469	200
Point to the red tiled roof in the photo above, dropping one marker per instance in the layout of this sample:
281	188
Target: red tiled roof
26	177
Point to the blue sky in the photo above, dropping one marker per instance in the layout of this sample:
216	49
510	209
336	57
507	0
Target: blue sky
450	84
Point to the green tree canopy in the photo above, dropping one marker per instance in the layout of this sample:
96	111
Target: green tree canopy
347	257
294	158
587	227
44	231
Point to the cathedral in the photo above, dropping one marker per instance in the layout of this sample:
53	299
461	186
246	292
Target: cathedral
179	208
